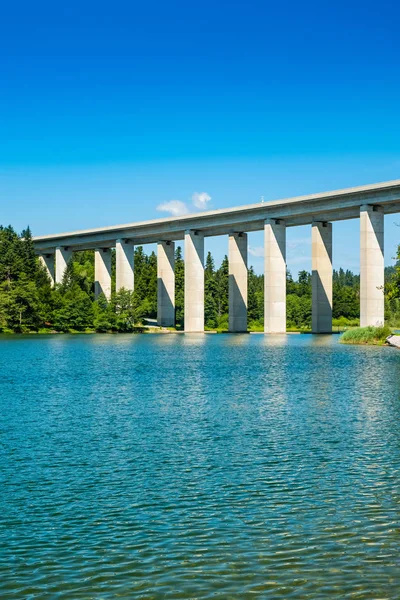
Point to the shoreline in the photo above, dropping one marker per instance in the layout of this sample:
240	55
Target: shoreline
160	331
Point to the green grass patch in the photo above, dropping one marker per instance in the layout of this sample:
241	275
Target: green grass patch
366	335
256	326
342	323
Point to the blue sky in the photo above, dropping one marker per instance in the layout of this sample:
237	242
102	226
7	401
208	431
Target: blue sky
110	111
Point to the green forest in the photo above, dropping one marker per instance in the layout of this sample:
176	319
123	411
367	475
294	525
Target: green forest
28	302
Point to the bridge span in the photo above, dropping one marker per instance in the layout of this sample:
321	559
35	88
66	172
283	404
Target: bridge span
368	203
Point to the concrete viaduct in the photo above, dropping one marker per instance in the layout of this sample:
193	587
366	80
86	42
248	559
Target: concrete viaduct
368	203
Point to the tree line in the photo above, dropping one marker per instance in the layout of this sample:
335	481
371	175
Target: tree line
28	302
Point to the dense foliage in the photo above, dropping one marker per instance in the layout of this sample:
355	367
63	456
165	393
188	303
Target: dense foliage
29	303
392	292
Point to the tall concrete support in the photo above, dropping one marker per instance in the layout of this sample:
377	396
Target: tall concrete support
124	253
48	262
275	276
238	282
102	272
194	281
372	309
322	277
63	256
166	284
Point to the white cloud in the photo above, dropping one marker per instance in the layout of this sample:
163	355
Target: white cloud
200	200
175	207
258	251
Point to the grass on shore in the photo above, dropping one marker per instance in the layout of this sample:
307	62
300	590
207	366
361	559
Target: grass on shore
366	335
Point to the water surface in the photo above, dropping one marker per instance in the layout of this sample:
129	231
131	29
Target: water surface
215	466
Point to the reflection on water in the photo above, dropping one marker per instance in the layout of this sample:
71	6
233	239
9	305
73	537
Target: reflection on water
198	466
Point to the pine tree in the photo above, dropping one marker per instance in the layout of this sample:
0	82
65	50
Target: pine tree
304	283
28	253
179	288
145	293
393	286
139	269
222	289
152	284
73	309
210	311
11	255
255	298
83	271
104	318
20	307
123	303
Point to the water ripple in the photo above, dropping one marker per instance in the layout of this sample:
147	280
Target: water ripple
202	467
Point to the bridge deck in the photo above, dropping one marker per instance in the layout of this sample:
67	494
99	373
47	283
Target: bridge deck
301	210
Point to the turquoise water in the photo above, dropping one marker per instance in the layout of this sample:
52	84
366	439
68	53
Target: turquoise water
171	466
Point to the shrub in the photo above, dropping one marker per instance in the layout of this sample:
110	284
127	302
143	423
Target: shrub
366	335
343	322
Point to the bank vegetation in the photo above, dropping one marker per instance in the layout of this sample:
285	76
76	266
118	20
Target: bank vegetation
366	335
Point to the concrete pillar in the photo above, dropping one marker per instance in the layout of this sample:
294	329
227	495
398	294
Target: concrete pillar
322	277
48	262
275	276
63	256
194	281
166	284
124	253
238	282
372	307
102	272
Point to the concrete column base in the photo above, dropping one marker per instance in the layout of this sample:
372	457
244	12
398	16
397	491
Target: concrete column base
322	277
194	281
102	273
63	256
124	261
166	284
48	261
238	282
275	276
372	267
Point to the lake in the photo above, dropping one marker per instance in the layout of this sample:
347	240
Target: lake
198	466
